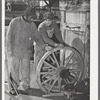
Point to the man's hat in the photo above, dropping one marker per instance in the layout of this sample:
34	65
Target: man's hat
30	11
48	15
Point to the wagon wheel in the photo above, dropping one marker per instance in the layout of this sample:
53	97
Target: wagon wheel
58	67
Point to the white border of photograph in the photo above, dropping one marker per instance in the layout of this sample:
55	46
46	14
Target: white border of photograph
93	49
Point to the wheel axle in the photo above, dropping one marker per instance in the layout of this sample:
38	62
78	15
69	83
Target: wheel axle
64	73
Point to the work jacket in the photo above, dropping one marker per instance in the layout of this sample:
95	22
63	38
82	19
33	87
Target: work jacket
20	37
50	34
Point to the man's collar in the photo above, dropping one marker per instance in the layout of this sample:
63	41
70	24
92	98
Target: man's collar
25	19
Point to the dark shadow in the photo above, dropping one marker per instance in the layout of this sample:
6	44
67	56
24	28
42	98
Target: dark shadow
39	93
32	92
79	45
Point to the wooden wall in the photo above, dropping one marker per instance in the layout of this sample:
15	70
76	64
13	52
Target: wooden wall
80	38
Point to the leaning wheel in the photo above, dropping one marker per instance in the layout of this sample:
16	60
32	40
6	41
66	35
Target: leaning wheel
59	67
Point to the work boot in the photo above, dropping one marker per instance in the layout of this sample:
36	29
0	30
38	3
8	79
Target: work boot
13	86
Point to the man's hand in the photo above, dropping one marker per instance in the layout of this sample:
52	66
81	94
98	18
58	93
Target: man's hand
60	45
48	48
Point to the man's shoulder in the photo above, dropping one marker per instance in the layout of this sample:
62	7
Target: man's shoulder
33	23
15	19
42	24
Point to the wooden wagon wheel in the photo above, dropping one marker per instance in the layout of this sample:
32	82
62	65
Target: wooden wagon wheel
58	67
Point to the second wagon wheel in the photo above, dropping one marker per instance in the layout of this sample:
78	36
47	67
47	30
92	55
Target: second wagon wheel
58	67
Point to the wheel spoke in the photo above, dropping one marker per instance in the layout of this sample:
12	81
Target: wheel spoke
50	81
72	78
50	65
48	69
50	73
67	60
59	83
75	80
50	78
76	77
69	65
45	75
55	59
72	64
68	80
65	81
53	84
62	57
51	59
45	67
75	70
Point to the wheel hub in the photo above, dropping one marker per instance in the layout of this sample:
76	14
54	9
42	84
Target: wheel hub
63	73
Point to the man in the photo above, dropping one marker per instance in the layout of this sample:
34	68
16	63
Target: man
50	33
49	30
20	36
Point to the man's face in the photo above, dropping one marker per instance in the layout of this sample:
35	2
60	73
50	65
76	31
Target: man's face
49	22
30	18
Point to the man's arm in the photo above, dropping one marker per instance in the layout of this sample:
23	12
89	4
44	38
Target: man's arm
58	33
38	39
45	37
9	37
